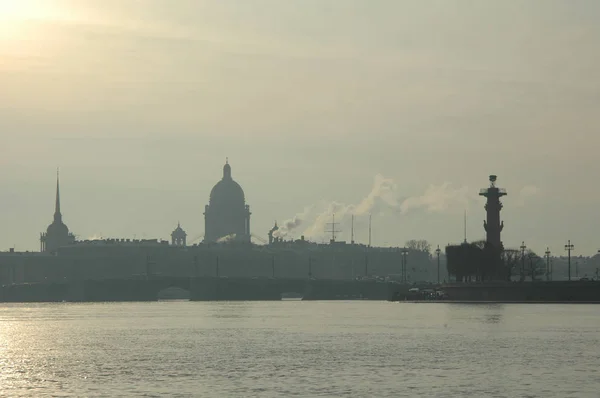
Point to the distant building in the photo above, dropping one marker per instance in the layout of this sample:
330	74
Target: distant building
57	234
179	236
272	232
227	216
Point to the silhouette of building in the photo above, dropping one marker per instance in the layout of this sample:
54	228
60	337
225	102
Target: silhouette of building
179	236
272	232
493	226
227	216
57	234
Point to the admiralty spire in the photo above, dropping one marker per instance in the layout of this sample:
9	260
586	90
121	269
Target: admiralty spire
57	234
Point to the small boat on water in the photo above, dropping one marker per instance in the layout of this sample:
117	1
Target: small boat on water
288	296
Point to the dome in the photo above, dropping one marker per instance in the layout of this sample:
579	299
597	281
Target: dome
227	191
57	229
178	231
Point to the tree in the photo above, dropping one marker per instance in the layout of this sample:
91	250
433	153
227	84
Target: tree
420	245
536	266
515	262
464	261
510	260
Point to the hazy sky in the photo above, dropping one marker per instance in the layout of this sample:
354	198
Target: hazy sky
396	108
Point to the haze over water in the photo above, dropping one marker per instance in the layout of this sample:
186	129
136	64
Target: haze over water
274	349
315	103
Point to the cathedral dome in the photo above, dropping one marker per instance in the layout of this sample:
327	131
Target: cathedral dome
227	191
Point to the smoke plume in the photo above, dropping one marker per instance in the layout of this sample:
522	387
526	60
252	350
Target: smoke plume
437	199
288	226
384	199
227	238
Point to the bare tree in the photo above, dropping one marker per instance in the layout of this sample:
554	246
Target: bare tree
420	245
535	266
510	260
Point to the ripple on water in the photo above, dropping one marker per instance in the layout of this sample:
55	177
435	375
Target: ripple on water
299	349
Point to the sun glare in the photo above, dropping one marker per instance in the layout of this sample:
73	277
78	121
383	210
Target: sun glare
16	9
16	15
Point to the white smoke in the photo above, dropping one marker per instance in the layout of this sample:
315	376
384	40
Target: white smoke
383	199
227	238
438	199
288	226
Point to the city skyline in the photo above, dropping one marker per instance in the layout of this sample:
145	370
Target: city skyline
315	228
317	106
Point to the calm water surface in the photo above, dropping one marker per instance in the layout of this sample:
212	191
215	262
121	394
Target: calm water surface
294	348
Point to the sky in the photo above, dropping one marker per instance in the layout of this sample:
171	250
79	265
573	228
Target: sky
398	109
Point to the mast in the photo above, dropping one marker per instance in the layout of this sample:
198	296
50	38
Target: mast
333	229
352	231
465	226
369	230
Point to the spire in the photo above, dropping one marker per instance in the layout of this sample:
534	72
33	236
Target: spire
465	226
57	215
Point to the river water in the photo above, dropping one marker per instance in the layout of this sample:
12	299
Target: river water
295	348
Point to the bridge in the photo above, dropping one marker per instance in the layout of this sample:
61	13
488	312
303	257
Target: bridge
205	288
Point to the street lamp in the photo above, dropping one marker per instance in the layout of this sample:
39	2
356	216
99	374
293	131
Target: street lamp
547	253
597	270
437	252
404	253
569	247
532	270
523	247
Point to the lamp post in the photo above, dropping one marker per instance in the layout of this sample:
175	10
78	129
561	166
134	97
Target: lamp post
523	247
547	253
437	252
404	252
597	270
569	247
532	269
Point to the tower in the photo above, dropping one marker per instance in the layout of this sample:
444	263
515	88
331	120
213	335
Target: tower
272	232
227	216
57	234
179	236
493	226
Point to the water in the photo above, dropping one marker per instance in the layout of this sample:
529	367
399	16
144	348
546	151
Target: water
294	348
